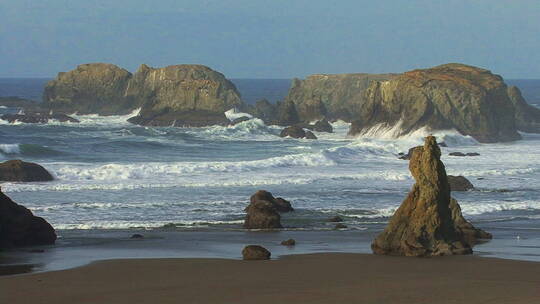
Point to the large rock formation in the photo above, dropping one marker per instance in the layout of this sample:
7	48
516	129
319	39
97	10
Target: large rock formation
183	95
337	96
426	223
471	100
179	95
95	88
19	227
20	171
527	116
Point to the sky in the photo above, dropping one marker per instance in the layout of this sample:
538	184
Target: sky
270	38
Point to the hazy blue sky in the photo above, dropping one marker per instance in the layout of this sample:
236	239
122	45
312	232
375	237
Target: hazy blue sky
270	38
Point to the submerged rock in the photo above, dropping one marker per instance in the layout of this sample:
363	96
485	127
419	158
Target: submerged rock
340	226
459	183
38	117
19	227
335	219
461	154
452	96
20	171
289	242
297	131
424	224
323	126
293	131
255	252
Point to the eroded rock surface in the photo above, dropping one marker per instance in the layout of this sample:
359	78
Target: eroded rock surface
471	100
426	223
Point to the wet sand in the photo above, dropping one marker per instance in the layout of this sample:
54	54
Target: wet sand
313	278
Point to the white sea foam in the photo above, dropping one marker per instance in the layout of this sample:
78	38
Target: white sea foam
475	208
234	114
10	149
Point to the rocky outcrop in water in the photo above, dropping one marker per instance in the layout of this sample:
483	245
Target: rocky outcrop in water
262	215
19	227
95	88
471	100
279	203
183	95
178	95
255	252
527	116
297	132
459	183
425	224
20	171
338	96
39	118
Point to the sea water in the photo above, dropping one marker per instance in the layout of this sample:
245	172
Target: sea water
113	178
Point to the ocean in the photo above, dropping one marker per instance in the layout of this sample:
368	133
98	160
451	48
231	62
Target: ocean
185	189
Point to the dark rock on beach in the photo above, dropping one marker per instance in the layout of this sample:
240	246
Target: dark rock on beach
289	242
136	236
452	96
424	224
20	171
19	227
255	252
459	183
310	135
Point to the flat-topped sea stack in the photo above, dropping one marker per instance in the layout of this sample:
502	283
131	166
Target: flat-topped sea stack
183	95
177	95
468	99
331	96
95	88
428	222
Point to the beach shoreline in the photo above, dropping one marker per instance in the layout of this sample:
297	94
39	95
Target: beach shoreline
303	278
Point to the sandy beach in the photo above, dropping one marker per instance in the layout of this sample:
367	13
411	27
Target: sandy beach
313	278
